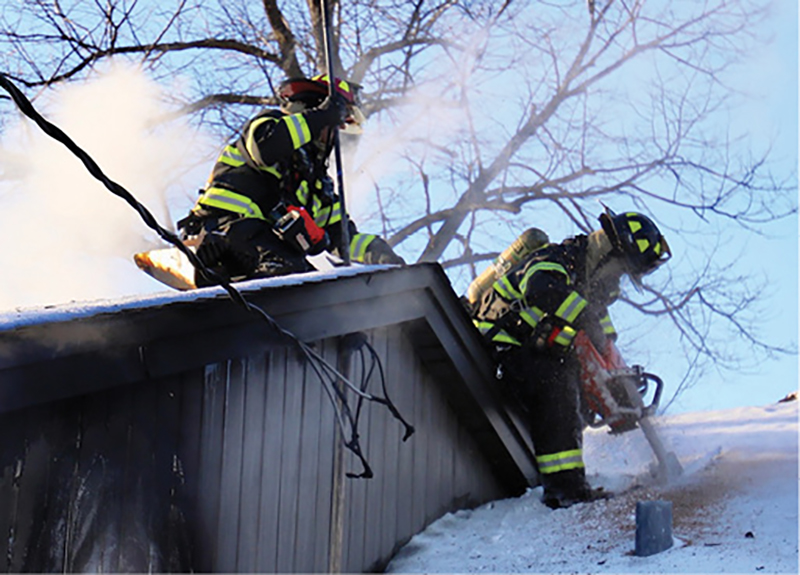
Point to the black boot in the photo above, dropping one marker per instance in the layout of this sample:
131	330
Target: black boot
566	488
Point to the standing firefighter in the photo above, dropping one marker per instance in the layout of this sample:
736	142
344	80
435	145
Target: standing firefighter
269	201
532	315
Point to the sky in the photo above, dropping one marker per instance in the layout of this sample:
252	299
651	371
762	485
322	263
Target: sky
734	509
770	80
72	246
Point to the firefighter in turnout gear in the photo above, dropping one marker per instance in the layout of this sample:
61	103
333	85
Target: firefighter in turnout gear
532	314
269	201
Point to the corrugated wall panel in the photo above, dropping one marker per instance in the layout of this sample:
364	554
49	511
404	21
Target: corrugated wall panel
231	488
314	481
210	465
230	466
415	481
271	461
252	463
289	468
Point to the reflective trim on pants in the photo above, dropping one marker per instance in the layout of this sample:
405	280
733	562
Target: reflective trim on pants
561	461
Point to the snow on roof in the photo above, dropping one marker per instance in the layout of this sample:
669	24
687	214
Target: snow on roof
83	309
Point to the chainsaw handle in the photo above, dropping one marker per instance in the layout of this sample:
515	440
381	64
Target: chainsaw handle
651	409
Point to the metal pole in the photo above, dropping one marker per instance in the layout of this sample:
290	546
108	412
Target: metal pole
344	248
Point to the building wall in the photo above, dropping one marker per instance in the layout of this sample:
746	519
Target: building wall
232	467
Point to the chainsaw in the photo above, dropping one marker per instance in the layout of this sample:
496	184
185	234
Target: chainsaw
614	395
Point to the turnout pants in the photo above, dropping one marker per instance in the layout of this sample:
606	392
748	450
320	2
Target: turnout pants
549	389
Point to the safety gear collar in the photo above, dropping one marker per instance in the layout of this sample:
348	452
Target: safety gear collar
637	239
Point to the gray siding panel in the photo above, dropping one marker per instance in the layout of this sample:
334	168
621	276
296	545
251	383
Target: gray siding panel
210	469
231	472
289	469
271	462
223	457
252	463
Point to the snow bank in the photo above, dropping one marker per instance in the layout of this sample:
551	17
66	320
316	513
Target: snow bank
734	509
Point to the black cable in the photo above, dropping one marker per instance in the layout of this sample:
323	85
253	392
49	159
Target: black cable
328	375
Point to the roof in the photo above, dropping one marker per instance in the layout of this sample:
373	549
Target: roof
63	351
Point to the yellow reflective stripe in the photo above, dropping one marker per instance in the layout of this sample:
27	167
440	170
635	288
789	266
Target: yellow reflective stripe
271	170
359	245
541	267
298	129
505	288
561	461
250	140
329	215
532	316
501	336
571	307
634	225
643	245
302	193
230	201
231	156
608	327
565	336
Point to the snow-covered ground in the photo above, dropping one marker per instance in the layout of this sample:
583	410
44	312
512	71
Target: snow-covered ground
735	509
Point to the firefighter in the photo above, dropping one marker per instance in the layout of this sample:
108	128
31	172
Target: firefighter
269	201
531	315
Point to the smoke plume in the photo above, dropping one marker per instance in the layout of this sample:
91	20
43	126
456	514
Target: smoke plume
63	235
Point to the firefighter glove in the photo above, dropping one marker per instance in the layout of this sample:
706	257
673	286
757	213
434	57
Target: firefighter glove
379	252
335	108
212	248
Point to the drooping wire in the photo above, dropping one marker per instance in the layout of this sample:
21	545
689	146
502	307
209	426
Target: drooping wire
334	383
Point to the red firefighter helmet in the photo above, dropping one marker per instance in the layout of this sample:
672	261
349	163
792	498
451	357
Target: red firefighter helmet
311	92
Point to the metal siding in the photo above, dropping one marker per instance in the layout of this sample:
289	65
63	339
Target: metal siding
289	468
372	439
419	446
252	463
404	399
271	462
188	459
355	532
167	460
309	515
392	441
325	422
231	471
210	467
244	448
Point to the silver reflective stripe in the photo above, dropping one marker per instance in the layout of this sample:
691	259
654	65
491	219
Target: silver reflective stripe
298	129
571	307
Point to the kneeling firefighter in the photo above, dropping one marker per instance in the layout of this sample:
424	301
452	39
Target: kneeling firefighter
531	315
269	201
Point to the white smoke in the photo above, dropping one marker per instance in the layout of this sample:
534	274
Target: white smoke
63	235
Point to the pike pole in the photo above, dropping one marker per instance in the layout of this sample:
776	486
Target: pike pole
344	248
